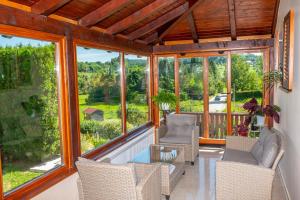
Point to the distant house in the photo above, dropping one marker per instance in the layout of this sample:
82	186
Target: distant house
93	114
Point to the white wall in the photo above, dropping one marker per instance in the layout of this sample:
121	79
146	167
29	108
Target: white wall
290	114
67	189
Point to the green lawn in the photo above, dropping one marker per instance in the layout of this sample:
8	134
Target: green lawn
197	105
109	110
16	174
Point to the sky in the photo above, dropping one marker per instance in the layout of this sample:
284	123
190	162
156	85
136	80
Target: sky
95	55
17	40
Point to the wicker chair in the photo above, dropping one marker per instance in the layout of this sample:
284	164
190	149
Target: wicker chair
242	174
104	181
181	131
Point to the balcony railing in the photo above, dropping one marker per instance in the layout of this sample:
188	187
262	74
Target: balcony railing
218	123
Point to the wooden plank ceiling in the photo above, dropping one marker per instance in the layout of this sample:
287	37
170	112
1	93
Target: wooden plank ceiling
158	21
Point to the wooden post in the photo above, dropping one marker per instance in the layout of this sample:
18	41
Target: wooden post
206	98
229	120
149	83
123	92
266	68
155	90
177	83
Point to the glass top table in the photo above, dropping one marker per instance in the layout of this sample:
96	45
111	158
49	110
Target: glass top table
159	153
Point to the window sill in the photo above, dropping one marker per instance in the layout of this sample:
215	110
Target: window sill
116	143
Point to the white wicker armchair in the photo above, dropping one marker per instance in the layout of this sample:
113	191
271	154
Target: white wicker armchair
104	181
239	176
181	130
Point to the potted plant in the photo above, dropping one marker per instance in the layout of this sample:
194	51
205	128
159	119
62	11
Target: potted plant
258	111
165	100
243	129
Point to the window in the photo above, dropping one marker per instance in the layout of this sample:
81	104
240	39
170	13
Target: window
137	91
217	90
99	97
247	79
31	107
191	84
166	75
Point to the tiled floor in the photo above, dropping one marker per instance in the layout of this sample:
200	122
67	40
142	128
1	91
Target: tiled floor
199	181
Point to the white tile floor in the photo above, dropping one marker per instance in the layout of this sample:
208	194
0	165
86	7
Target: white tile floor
198	183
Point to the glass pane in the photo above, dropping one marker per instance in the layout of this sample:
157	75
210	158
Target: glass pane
137	91
217	97
29	118
246	82
99	96
166	79
191	84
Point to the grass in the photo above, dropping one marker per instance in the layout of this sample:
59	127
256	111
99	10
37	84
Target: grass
197	106
237	106
16	174
109	110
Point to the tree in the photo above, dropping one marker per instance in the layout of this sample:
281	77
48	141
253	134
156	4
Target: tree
244	76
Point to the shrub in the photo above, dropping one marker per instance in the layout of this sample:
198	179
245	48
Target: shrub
135	116
248	95
108	129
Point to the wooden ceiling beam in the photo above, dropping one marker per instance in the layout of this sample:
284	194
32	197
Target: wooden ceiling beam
47	7
184	16
152	38
158	22
192	25
28	20
103	12
274	23
214	46
232	19
139	15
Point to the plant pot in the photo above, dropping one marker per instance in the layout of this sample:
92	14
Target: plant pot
260	120
243	133
165	106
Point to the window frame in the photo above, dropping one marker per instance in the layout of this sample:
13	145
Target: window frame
43	182
148	90
126	136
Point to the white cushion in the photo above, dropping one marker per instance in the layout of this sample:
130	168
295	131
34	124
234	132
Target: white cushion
264	134
180	131
171	168
257	151
270	151
176	139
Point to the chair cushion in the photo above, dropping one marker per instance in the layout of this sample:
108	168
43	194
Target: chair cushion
181	120
239	156
270	150
176	139
257	151
264	134
180	130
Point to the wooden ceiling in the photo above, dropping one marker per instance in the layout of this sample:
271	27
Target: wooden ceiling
159	21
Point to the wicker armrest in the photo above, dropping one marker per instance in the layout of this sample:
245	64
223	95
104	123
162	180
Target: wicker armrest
240	181
149	186
240	143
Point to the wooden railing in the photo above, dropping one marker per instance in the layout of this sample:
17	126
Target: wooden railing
218	123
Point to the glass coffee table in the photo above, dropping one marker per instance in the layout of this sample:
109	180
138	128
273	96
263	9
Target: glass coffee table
172	163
